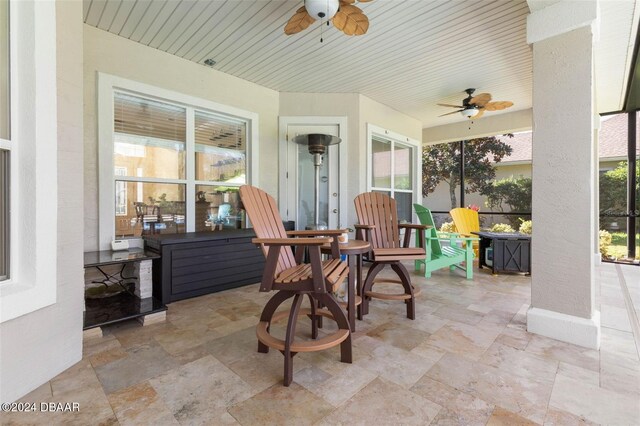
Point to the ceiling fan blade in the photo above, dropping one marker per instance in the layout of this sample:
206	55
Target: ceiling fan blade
449	113
480	100
298	22
452	106
351	20
498	105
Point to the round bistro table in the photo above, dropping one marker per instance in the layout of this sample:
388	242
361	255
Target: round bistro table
353	249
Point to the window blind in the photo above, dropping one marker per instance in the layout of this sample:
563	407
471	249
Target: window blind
139	116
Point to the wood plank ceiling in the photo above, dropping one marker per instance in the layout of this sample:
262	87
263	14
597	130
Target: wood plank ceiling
416	53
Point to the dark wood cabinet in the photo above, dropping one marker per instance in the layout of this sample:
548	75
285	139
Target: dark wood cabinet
198	263
511	251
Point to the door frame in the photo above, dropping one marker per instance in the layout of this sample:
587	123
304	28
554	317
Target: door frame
283	123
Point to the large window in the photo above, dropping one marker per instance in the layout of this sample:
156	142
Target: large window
149	144
393	164
5	141
177	161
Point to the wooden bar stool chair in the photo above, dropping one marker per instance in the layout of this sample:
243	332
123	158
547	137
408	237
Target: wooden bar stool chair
293	279
378	224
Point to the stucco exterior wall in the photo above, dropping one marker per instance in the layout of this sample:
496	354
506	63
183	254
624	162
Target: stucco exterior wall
37	346
360	111
111	54
563	190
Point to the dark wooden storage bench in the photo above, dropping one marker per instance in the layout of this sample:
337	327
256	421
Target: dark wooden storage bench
511	251
197	263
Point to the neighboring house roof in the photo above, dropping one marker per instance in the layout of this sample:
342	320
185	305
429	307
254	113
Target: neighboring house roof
521	146
612	140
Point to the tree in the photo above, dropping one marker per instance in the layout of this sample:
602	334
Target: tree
512	192
441	162
613	193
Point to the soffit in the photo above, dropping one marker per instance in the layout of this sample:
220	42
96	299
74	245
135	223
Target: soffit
417	52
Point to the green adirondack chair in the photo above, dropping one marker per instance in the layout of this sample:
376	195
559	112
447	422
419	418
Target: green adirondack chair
439	256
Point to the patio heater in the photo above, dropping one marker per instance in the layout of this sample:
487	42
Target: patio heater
317	144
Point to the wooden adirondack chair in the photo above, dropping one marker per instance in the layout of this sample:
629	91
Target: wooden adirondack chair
466	221
378	224
286	274
439	256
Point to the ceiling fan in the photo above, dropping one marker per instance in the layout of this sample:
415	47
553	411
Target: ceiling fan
475	106
345	16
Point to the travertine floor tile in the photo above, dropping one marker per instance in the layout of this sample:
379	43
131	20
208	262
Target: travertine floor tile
519	362
514	337
526	397
263	370
557	417
394	364
578	373
466	359
594	403
201	392
78	384
108	356
502	417
279	405
459	314
382	402
140	404
142	363
458	407
620	379
399	334
571	354
463	339
177	341
338	388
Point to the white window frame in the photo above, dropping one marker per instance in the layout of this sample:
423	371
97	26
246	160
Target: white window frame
393	137
32	284
107	85
123	189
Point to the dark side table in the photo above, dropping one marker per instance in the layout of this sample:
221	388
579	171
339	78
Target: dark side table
353	249
511	251
126	304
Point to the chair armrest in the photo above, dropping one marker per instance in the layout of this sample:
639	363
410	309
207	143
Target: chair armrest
317	232
452	238
419	233
365	226
291	241
413	226
448	234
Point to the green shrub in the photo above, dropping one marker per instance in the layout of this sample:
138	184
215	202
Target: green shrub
525	227
448	227
502	227
604	242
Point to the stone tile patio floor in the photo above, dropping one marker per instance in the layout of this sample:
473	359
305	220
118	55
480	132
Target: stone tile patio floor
467	359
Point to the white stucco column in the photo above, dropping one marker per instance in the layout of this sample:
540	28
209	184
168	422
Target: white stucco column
562	289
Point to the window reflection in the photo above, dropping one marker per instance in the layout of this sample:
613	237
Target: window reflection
217	208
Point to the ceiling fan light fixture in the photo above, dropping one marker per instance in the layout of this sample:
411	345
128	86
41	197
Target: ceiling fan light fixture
469	112
322	9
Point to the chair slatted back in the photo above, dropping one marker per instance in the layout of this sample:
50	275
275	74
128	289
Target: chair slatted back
466	220
375	208
267	223
426	218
